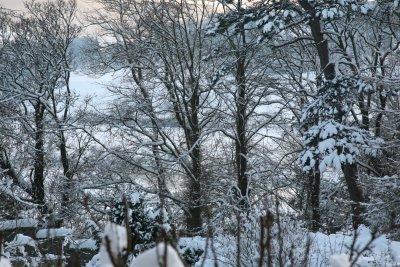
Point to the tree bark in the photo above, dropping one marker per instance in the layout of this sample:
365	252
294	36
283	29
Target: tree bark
315	188
194	218
39	160
186	114
241	148
355	193
68	173
240	141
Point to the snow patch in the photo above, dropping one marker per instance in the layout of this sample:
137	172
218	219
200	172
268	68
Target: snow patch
4	262
89	244
22	240
135	198
153	257
19	223
341	260
94	262
114	242
54	232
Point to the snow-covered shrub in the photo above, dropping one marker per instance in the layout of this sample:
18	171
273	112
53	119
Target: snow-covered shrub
361	248
93	231
191	255
191	249
288	243
19	245
113	248
146	224
384	205
257	234
334	205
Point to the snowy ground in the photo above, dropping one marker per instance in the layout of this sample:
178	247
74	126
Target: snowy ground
382	252
94	87
324	250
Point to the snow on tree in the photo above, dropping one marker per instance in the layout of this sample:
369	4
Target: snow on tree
18	244
146	225
36	68
341	260
329	137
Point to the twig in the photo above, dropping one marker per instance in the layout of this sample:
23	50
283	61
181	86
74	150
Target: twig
367	247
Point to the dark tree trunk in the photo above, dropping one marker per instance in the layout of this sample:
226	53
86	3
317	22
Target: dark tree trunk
382	107
194	219
68	173
241	142
241	148
315	185
364	109
329	73
194	222
39	164
355	193
186	113
327	68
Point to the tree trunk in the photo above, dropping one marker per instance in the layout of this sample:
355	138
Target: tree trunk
194	221
194	218
355	193
240	141
39	164
327	68
68	173
315	186
137	76
241	121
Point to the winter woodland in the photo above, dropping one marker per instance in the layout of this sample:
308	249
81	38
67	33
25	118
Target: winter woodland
200	133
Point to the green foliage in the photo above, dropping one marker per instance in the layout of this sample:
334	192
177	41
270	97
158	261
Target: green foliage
191	255
146	225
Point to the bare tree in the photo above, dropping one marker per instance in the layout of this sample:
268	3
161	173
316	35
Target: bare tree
38	76
167	110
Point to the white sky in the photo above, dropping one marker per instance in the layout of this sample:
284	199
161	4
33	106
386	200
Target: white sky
13	4
18	4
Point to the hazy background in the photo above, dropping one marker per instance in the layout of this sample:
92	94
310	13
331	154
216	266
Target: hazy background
83	5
